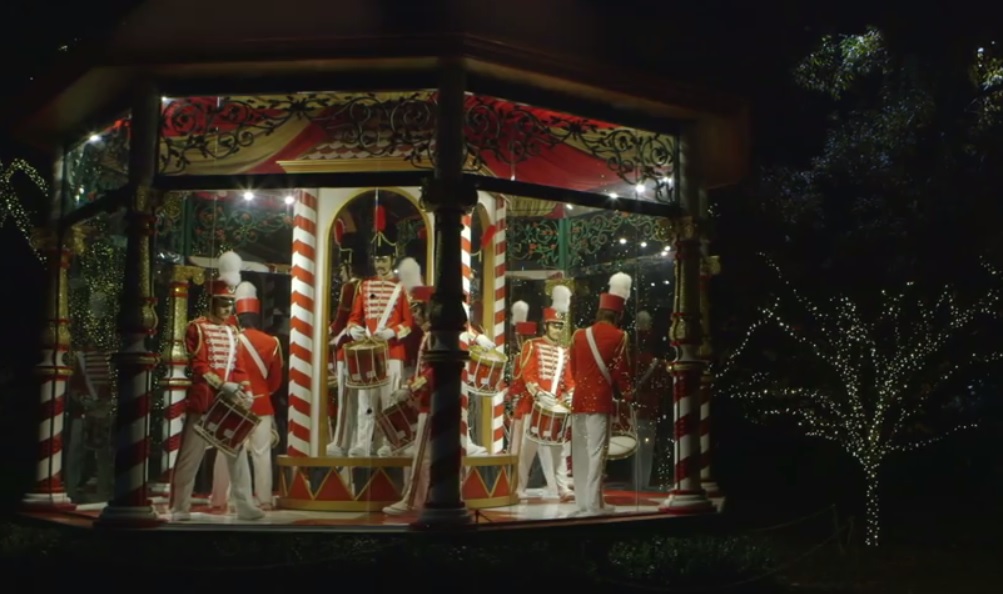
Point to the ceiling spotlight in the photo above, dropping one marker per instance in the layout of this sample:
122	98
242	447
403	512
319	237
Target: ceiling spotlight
644	244
639	188
94	138
613	195
248	196
623	240
289	199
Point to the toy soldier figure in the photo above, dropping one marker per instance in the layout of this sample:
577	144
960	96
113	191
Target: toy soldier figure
600	366
260	356
380	310
344	410
544	377
212	345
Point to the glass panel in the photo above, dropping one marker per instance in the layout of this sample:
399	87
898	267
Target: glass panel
539	146
377	241
552	244
97	164
194	229
95	285
296	133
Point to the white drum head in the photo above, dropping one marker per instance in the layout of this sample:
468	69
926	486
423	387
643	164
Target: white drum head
621	446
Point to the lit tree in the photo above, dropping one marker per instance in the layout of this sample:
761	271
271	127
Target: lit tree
865	382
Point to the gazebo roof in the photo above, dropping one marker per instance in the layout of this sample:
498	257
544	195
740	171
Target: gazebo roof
562	46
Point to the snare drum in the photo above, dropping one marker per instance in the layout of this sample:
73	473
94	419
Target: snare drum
549	425
366	364
227	424
485	370
623	432
399	423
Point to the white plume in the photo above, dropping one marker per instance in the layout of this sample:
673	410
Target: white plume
245	290
520	312
228	265
619	285
643	321
409	273
560	299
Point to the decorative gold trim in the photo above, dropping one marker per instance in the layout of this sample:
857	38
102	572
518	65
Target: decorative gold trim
501	501
333	506
491	460
340	462
375	164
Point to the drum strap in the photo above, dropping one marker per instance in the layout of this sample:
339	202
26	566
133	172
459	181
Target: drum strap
595	355
555	381
391	303
254	354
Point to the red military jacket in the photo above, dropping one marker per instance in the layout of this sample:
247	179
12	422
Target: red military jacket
538	364
374	296
339	326
593	394
265	378
212	348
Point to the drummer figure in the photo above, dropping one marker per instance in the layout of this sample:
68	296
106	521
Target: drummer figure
211	341
544	381
380	311
342	410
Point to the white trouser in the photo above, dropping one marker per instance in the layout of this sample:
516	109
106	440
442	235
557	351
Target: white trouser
589	440
190	456
552	462
348	404
259	448
644	458
369	402
416	489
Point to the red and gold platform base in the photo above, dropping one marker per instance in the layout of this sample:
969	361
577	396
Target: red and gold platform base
370	484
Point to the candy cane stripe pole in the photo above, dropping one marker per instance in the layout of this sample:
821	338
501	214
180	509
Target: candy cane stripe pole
301	325
135	364
687	497
498	402
467	271
54	374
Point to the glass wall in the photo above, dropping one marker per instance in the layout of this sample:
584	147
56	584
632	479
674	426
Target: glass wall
95	285
560	245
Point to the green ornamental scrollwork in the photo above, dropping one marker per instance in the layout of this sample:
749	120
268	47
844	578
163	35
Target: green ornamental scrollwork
535	240
409	230
592	234
217	223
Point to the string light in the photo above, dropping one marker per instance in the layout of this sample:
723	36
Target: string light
10	203
879	364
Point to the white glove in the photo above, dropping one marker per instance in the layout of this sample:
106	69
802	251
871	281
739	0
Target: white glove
230	388
566	400
484	342
401	395
385	334
357	332
546	398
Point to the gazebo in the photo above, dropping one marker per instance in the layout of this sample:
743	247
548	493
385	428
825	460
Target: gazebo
501	155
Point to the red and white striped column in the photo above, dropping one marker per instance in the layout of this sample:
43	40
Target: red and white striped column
135	364
175	381
301	323
687	497
498	402
48	491
466	247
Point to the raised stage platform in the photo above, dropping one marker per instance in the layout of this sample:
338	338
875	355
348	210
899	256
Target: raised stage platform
537	510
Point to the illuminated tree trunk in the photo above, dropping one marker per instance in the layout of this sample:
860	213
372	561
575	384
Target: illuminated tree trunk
872	509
